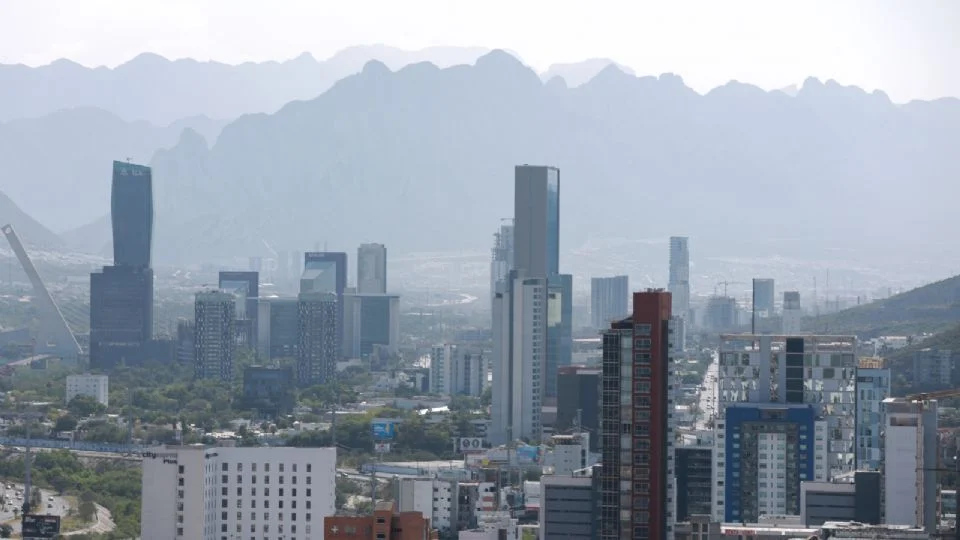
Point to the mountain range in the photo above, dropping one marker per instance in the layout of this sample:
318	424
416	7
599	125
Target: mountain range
421	158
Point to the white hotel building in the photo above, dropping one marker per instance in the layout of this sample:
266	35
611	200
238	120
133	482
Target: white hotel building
234	493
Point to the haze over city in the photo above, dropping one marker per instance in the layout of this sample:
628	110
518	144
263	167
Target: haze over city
475	271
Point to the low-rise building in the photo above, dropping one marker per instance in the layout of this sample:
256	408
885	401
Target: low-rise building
95	386
384	524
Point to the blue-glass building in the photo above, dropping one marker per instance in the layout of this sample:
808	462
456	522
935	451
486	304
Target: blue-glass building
131	214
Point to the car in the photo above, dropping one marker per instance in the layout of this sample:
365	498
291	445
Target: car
50	499
49	505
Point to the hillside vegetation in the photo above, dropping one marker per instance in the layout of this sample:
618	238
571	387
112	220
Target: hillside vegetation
931	308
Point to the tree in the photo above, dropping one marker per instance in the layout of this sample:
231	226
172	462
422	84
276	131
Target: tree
486	397
87	510
67	422
36	498
84	406
6	531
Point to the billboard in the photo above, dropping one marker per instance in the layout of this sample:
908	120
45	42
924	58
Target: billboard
469	444
381	447
37	526
528	455
384	428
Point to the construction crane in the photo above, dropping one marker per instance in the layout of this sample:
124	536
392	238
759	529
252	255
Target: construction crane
937	394
725	284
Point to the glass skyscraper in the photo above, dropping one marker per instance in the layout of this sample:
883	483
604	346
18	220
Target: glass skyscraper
131	211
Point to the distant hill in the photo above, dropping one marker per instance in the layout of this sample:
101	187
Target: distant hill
931	308
58	167
28	229
161	91
422	159
95	237
578	73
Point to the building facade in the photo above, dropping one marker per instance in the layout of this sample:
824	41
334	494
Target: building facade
245	286
211	493
269	390
121	315
873	386
519	357
792	315
501	256
637	471
842	501
95	386
215	340
384	524
370	320
327	271
131	214
694	474
579	409
608	300
910	463
568	506
318	337
372	269
559	331
679	278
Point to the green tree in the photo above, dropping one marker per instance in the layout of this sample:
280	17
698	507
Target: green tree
6	531
87	511
84	406
67	422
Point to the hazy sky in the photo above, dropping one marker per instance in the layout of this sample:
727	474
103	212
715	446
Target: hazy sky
908	48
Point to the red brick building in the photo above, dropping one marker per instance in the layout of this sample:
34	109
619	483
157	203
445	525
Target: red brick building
384	524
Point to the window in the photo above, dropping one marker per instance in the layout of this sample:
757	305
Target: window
180	469
281	467
308	492
239	492
309	466
266	479
308	480
294	467
223	467
223	491
266	467
224	479
253	503
239	467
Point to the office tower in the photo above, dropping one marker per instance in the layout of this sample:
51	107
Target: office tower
910	462
279	321
519	355
763	297
95	386
579	407
679	279
694	473
197	492
318	330
784	383
636	424
121	315
536	216
501	259
215	338
121	296
608	300
842	501
372	269
792	316
131	214
568	505
269	390
370	320
721	314
679	327
559	330
326	272
873	386
245	287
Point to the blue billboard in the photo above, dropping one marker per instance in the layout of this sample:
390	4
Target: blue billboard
384	428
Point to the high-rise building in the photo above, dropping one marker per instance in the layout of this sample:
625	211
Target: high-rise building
694	473
536	217
637	471
792	316
763	306
131	213
245	287
788	382
121	315
326	271
679	279
608	300
568	505
215	340
501	259
318	330
370	320
456	370
559	331
441	368
910	453
873	386
519	355
278	321
372	269
579	408
210	493
721	314
121	296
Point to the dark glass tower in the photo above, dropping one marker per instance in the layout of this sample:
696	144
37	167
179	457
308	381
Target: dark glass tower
121	296
131	211
326	272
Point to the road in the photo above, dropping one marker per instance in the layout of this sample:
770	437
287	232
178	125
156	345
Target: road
52	505
708	393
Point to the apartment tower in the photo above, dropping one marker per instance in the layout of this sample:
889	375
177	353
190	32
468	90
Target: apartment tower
679	279
637	447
